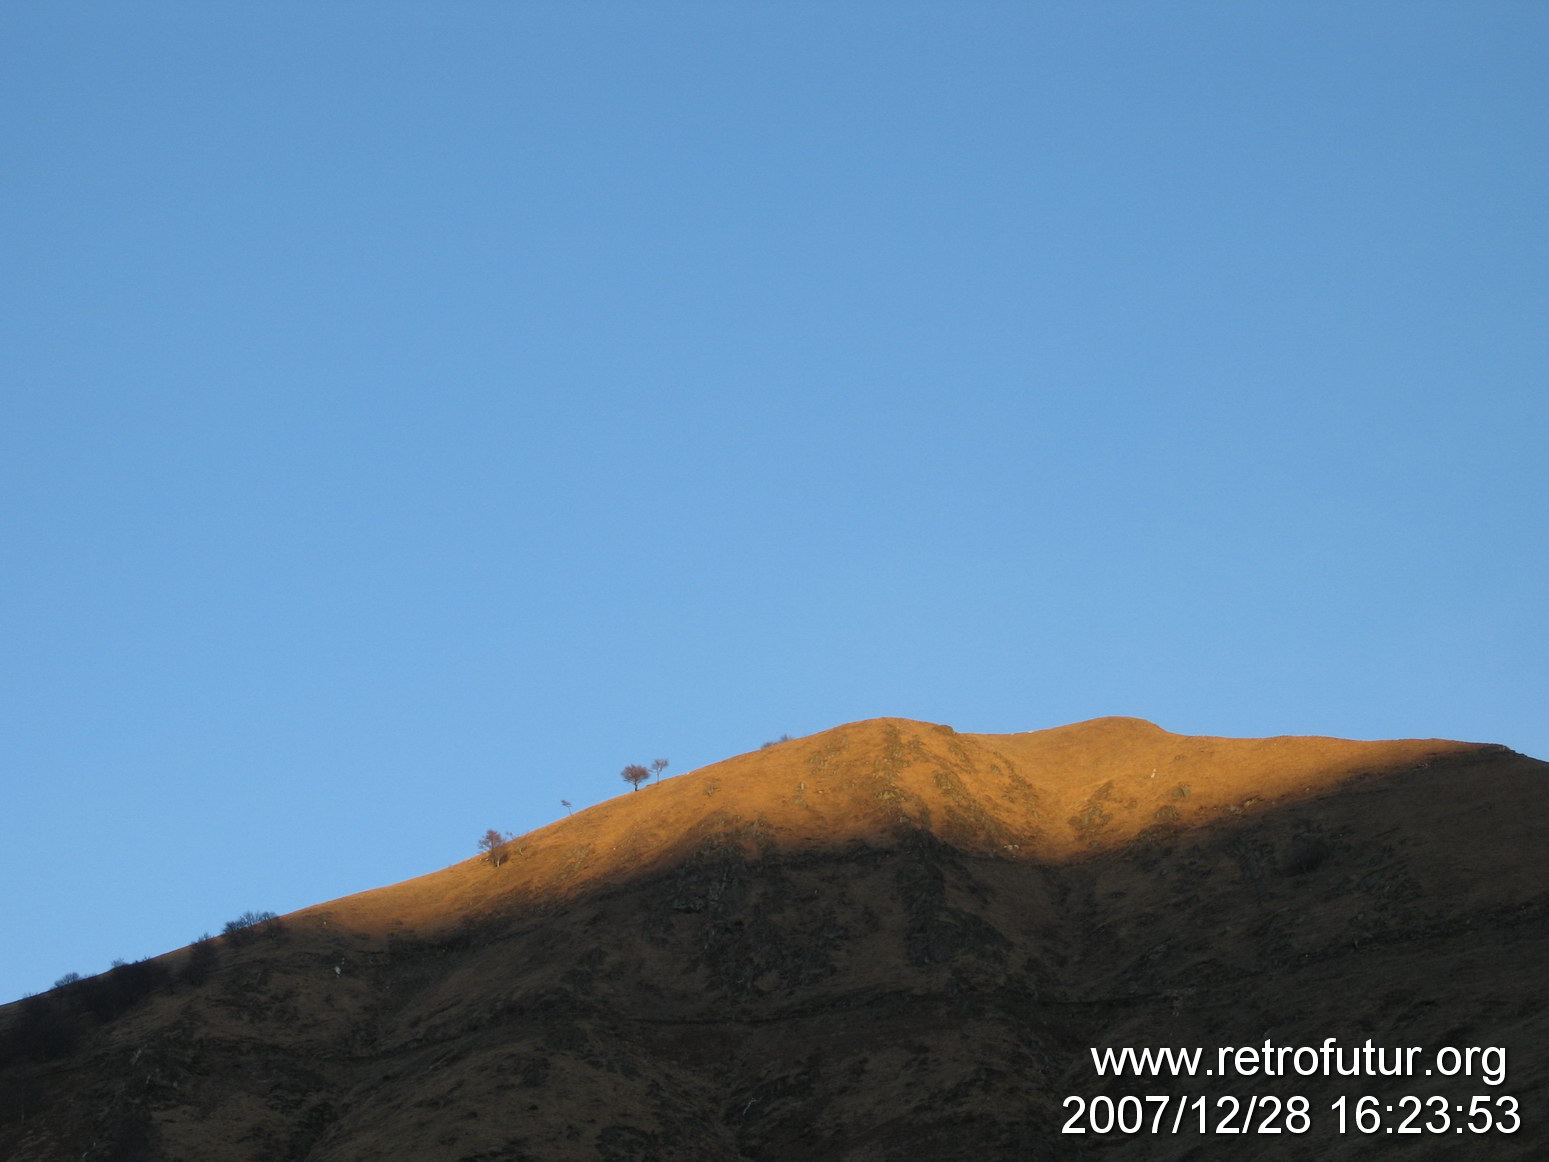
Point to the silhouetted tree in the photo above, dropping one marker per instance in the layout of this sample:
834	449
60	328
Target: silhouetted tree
108	995
565	803
634	774
248	925
201	961
657	767
491	845
44	1028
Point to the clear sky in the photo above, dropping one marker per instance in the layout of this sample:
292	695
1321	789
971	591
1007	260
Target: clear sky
413	413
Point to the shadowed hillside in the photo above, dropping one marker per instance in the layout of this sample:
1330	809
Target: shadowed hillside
885	941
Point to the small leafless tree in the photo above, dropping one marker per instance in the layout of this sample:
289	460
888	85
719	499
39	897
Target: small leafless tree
634	774
657	767
201	960
249	925
491	846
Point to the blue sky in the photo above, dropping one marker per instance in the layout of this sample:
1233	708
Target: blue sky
411	414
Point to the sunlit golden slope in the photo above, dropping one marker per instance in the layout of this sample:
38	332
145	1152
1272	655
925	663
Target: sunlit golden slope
1045	795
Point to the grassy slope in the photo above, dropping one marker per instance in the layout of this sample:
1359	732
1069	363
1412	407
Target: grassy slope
887	940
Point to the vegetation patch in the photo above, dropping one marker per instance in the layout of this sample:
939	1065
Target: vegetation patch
1094	816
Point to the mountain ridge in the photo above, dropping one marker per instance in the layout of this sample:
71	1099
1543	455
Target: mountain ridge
884	941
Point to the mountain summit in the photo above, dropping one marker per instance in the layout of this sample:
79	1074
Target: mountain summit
888	940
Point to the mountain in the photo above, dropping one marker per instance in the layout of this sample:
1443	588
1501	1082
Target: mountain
886	941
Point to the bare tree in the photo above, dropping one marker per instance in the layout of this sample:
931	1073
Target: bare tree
634	774
201	960
657	767
490	845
